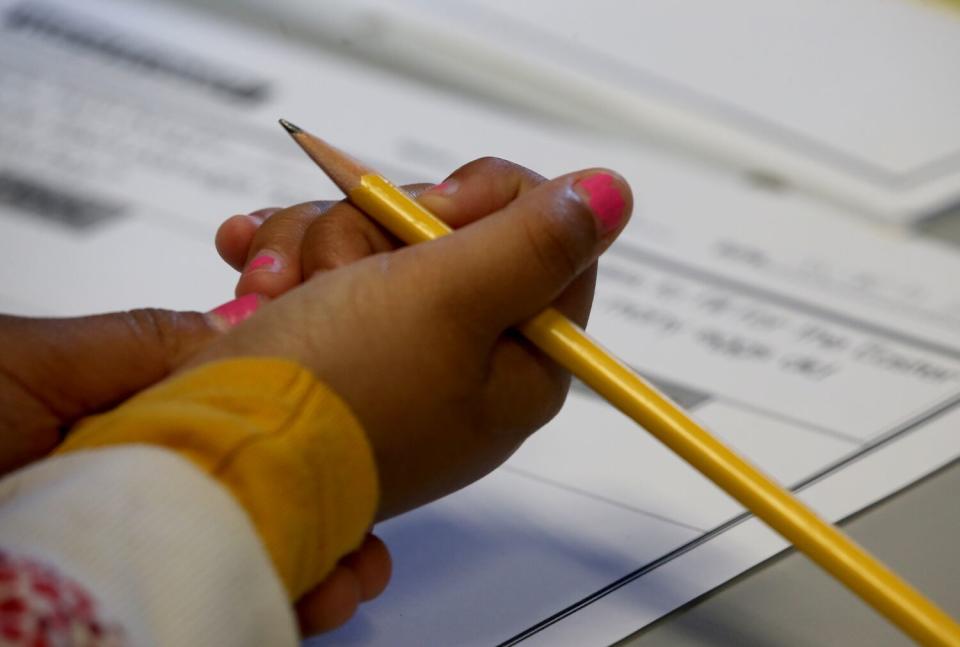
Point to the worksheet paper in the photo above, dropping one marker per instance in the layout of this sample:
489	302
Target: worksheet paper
826	351
854	100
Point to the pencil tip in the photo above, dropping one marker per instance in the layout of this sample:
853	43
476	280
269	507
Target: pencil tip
339	167
290	128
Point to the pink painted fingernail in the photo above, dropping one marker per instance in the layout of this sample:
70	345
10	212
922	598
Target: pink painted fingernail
263	262
447	187
233	312
601	194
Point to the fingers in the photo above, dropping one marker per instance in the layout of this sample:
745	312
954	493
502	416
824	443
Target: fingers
359	577
296	242
478	189
272	264
372	565
268	252
509	266
235	235
345	234
330	604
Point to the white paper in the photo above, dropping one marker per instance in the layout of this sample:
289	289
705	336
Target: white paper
826	351
854	100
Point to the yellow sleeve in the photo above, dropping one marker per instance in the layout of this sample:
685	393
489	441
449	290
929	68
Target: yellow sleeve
283	443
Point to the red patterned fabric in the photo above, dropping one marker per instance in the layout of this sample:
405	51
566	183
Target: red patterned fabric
41	608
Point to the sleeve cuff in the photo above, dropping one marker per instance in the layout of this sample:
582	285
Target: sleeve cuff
285	445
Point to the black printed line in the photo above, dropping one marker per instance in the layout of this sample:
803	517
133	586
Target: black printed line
628	251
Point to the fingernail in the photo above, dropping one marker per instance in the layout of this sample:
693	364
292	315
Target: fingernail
233	312
447	187
261	215
263	261
600	192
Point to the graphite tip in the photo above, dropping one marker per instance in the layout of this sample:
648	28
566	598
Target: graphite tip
290	128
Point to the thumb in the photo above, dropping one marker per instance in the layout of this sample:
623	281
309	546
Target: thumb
510	265
55	371
73	367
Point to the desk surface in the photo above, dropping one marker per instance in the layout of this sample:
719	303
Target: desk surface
790	601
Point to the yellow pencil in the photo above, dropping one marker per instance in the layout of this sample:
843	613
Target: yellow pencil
572	348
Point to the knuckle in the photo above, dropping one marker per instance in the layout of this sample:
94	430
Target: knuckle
333	241
447	313
414	190
264	214
156	333
544	387
496	170
523	178
287	226
321	230
319	207
559	249
488	164
553	402
550	392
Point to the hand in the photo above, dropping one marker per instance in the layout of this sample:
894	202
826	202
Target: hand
282	248
416	340
358	577
55	371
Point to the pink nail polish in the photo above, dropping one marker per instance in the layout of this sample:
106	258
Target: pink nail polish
233	312
604	199
261	262
447	187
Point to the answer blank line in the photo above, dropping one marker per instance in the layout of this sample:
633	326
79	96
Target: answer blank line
596	497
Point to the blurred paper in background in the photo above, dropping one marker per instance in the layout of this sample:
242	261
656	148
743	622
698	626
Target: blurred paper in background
855	101
825	349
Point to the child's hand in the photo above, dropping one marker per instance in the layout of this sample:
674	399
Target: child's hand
277	249
416	340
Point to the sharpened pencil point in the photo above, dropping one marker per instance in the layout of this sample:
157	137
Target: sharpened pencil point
290	128
339	167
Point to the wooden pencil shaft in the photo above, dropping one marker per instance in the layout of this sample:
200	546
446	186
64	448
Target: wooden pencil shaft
822	542
572	348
